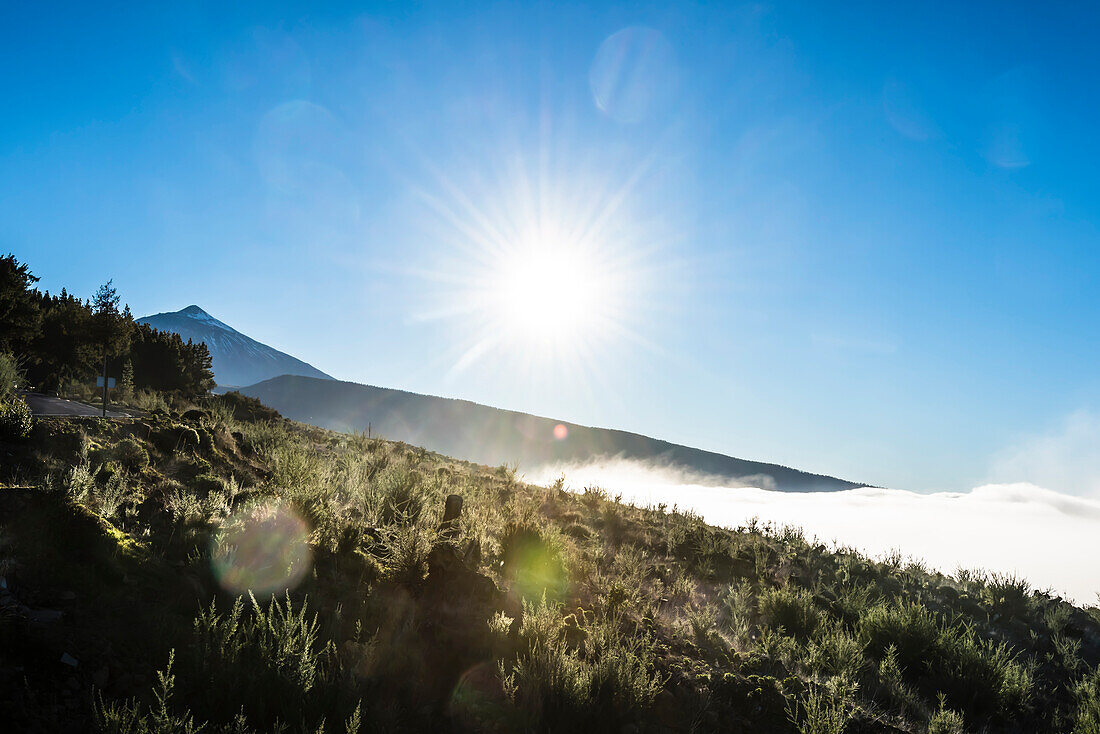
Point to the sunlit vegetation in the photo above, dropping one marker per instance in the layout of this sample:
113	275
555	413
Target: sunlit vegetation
537	609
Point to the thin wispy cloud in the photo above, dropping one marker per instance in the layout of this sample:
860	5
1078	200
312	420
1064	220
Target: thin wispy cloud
1066	459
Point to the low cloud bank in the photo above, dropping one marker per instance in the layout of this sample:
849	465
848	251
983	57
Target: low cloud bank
1047	537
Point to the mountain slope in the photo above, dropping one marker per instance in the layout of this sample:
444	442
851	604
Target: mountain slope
493	436
237	359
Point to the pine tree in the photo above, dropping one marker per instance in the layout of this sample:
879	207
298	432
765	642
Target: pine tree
126	384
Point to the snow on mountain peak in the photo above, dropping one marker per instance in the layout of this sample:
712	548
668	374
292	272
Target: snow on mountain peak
196	313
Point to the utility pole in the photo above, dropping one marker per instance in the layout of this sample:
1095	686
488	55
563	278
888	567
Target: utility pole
104	382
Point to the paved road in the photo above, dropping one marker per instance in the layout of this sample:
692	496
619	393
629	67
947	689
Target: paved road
45	405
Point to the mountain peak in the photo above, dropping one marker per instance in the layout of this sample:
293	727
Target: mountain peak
197	314
237	359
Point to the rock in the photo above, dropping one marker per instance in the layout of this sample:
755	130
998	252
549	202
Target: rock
69	660
195	414
68	595
44	616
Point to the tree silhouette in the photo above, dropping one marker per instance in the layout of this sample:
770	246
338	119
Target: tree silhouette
19	313
112	328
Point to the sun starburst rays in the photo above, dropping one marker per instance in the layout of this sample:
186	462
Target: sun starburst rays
546	272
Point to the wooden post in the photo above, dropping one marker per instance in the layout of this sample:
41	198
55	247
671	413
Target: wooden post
451	512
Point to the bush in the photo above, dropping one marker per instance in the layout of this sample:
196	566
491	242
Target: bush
910	628
1087	693
791	608
972	673
556	685
149	401
15	419
132	454
531	563
207	483
834	652
819	713
407	550
244	408
946	721
267	662
11	376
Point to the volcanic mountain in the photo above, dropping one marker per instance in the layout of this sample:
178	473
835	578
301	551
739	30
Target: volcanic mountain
458	428
237	359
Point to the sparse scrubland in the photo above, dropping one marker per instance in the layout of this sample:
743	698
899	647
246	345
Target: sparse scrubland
167	543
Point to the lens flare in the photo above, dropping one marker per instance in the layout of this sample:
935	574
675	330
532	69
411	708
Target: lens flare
262	548
633	74
478	699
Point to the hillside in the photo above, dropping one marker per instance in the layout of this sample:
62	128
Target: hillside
219	568
237	359
494	436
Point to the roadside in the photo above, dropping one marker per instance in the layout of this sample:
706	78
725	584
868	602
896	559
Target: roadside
45	405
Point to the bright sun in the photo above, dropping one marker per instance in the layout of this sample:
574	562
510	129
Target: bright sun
542	270
550	290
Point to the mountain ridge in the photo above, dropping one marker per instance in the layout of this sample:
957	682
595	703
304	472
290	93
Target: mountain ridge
495	436
237	358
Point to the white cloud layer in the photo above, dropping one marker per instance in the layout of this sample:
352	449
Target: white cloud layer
1045	536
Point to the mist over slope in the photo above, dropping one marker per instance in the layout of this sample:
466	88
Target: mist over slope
1018	528
237	359
494	436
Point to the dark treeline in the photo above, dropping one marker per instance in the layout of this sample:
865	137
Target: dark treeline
61	340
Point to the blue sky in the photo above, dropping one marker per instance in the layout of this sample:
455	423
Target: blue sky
860	240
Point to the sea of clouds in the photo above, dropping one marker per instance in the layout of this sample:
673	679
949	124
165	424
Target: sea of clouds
1050	538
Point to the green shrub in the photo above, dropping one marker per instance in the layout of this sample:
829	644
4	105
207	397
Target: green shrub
1007	594
1087	695
206	483
149	401
910	628
114	497
11	376
555	685
835	652
946	721
399	494
407	548
820	713
241	408
530	561
129	717
267	662
973	673
790	608
15	419
132	454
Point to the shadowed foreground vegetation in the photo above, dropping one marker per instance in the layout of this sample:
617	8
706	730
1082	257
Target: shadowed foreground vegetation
146	564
